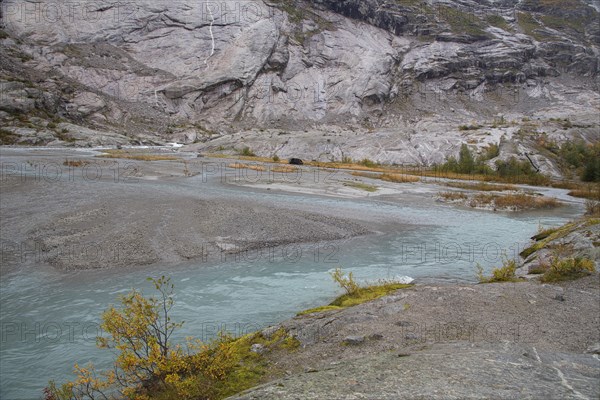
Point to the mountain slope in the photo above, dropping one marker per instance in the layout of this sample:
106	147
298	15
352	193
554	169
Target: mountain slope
388	80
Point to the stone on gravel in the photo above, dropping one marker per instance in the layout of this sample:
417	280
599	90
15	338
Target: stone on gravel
593	349
354	340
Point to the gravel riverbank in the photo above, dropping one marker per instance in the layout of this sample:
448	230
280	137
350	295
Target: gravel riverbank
500	341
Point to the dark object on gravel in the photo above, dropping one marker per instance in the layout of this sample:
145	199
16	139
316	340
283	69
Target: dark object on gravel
296	161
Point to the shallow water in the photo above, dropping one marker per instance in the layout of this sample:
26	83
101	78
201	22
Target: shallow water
50	319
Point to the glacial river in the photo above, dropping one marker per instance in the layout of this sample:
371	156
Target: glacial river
50	319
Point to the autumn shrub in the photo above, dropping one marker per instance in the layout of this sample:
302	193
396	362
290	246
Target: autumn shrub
505	273
148	366
346	282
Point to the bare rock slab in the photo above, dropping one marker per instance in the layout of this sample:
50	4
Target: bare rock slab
455	371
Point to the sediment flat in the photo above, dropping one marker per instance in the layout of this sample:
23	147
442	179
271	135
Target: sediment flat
87	217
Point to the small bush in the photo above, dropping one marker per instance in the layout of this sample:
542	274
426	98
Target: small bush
568	269
585	158
592	208
346	160
506	273
149	366
247	152
469	127
492	151
347	283
276	158
368	163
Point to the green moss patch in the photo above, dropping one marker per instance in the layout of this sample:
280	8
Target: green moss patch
544	234
498	22
361	295
462	22
530	26
549	235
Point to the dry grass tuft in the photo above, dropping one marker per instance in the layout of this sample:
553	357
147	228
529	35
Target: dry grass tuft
586	192
453	196
481	186
350	166
75	163
365	174
525	202
398	178
247	166
361	186
133	155
482	200
286	169
515	202
535	180
389	177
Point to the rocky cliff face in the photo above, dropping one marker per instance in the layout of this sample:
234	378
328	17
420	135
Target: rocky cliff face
387	80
